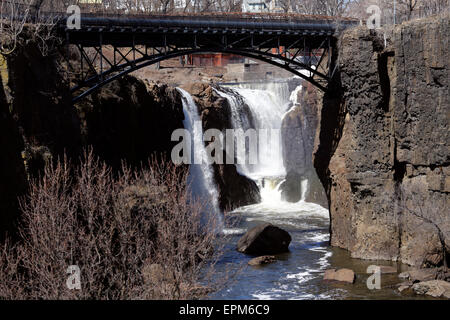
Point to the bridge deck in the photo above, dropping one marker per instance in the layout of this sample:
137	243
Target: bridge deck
147	29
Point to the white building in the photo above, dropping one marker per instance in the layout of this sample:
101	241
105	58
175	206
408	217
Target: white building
261	6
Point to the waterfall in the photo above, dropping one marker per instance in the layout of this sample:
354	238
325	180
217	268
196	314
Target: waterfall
201	176
267	103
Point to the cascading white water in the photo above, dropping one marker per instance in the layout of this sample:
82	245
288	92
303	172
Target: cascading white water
200	178
267	104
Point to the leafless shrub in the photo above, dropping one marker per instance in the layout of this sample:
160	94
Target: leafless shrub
13	16
20	16
135	235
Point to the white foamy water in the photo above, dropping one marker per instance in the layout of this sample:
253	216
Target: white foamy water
295	275
201	177
267	104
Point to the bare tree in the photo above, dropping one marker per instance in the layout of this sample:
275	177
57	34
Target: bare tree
321	7
405	9
13	16
138	235
410	5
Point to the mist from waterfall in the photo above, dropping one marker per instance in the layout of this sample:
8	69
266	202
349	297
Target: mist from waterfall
201	175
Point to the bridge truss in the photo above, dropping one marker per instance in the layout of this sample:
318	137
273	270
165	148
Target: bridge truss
305	49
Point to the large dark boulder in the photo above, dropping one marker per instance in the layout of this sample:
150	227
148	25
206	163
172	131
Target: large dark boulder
235	190
264	239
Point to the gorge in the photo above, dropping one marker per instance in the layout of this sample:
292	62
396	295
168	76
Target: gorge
358	174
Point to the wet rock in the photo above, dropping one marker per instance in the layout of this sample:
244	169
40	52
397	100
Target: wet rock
264	239
291	187
298	131
329	274
419	275
434	288
262	260
235	190
404	286
342	275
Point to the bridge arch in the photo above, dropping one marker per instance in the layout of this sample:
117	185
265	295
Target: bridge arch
115	71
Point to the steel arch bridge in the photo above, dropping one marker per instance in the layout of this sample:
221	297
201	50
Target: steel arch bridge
304	44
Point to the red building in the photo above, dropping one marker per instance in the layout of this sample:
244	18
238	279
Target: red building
213	59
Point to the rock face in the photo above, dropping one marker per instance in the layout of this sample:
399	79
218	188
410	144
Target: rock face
264	239
131	119
298	131
12	171
382	151
235	190
39	97
37	122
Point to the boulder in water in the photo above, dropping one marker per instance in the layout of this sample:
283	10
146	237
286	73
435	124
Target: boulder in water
264	239
258	261
342	275
434	288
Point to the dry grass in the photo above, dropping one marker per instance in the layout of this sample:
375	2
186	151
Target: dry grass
135	235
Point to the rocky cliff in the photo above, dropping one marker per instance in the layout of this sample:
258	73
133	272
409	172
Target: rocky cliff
298	131
131	119
382	148
12	170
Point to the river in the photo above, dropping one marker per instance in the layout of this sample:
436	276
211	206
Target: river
299	273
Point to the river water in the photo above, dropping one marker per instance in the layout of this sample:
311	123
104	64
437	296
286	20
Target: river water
298	274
